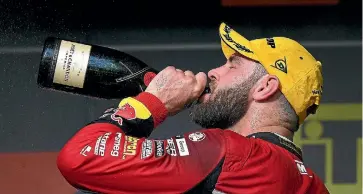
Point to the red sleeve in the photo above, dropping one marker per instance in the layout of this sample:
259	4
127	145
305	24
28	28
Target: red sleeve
317	186
103	157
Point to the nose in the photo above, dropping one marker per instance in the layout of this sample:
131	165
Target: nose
213	75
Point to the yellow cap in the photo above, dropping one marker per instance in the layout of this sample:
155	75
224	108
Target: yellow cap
300	74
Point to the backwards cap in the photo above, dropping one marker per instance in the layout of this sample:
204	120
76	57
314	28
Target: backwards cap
300	74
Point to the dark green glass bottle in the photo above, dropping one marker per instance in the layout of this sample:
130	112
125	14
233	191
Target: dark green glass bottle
91	70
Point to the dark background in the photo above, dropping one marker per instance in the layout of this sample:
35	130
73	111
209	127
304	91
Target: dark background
38	122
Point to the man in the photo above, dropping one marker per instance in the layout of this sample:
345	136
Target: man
257	101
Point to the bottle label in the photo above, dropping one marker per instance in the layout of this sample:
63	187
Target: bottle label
71	64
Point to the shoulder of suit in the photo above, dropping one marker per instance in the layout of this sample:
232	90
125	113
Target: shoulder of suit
205	136
238	150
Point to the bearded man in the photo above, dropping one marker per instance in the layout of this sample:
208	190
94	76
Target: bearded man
257	100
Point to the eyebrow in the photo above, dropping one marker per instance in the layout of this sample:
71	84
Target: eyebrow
232	58
235	58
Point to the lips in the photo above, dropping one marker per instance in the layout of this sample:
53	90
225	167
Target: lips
204	98
207	93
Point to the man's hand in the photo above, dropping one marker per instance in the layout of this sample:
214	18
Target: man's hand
175	88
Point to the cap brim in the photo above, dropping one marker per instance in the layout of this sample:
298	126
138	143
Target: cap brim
232	42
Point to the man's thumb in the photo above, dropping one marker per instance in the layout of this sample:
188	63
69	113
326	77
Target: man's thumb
201	78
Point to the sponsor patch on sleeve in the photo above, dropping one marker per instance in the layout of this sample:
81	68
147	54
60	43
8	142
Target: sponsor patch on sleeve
146	149
100	146
128	109
196	136
85	150
116	146
159	148
124	112
130	146
182	146
135	107
108	112
170	148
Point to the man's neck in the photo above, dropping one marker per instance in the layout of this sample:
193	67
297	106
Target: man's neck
245	128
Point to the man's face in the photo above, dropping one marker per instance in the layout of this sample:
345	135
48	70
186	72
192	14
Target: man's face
229	98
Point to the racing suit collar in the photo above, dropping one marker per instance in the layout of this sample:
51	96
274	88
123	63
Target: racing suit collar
279	141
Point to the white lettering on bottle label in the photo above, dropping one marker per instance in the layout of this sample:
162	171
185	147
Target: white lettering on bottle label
71	64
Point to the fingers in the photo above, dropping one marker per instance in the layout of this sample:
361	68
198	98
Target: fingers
189	73
175	87
186	73
169	69
201	78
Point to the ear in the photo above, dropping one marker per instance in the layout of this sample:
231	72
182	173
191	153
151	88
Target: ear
266	88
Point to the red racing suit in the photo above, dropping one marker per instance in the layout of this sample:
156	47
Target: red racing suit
113	154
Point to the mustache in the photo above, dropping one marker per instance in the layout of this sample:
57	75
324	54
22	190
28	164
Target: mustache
212	86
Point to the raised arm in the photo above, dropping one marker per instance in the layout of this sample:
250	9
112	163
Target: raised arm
113	155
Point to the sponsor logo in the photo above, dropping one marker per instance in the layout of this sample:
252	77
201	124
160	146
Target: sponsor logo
271	42
301	167
318	91
281	65
85	150
124	112
146	148
237	45
101	144
217	192
130	146
159	148
97	145
116	145
182	147
197	136
170	148
107	112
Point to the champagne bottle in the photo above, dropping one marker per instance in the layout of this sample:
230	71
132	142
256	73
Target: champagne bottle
91	70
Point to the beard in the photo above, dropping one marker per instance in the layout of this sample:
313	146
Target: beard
226	108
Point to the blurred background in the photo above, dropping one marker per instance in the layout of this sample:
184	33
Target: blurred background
35	123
